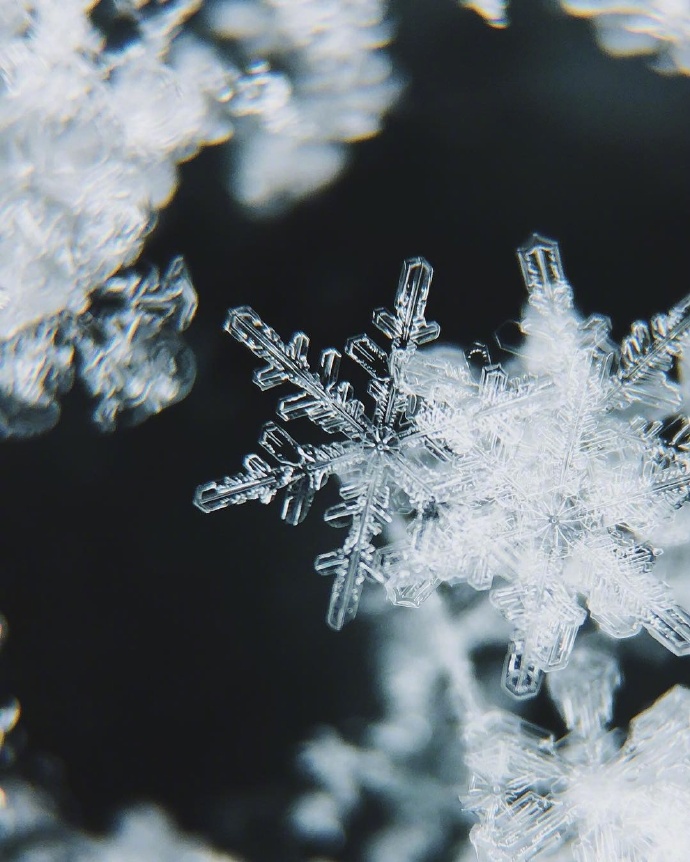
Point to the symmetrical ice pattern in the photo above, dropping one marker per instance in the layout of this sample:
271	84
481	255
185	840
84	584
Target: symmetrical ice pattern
126	350
315	78
408	763
31	830
592	795
547	479
380	459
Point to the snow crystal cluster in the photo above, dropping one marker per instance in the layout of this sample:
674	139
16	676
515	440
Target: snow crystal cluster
659	28
546	485
92	128
91	136
409	763
593	795
31	830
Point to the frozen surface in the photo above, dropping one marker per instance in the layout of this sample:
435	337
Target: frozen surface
592	795
549	479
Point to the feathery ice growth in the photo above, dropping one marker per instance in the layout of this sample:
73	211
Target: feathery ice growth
92	130
547	483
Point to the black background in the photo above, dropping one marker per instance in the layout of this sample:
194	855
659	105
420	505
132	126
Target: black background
166	655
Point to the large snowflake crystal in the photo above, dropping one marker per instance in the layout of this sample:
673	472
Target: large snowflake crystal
380	460
545	478
553	482
590	796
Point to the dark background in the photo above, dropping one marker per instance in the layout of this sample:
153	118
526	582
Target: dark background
166	655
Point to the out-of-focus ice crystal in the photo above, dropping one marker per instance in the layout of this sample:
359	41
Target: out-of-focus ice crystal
31	830
90	138
551	479
316	79
91	135
127	351
660	28
409	763
592	795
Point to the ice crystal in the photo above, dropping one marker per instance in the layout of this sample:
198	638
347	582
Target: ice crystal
660	28
31	830
591	794
380	460
409	762
91	134
317	79
126	350
547	478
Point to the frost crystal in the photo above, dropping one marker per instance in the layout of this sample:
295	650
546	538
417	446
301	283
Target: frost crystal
91	136
381	460
546	478
126	350
410	761
590	793
331	86
31	830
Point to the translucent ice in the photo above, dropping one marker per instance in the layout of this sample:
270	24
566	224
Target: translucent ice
549	478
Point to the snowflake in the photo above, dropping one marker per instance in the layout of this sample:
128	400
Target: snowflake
552	482
659	28
381	460
410	760
126	349
589	796
316	79
545	478
31	829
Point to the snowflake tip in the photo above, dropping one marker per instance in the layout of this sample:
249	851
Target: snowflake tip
408	325
542	271
521	678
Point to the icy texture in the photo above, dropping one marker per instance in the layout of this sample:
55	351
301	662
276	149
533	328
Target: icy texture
31	831
331	85
408	764
660	28
90	139
126	350
91	136
554	483
590	796
380	459
548	479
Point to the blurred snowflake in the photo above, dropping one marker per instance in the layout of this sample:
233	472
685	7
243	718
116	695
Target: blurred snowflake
590	796
32	830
